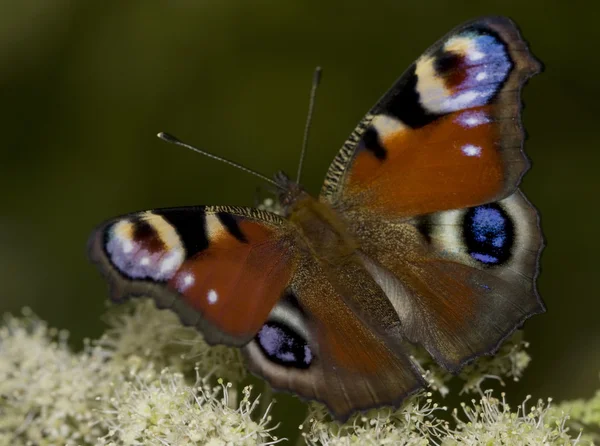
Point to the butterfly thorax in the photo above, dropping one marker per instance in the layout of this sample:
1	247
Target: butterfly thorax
319	227
321	230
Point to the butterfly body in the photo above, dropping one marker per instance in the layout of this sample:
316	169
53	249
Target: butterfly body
322	231
420	235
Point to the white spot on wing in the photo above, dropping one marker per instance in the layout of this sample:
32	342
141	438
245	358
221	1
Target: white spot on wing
187	281
463	100
481	76
471	119
127	246
212	297
475	55
145	261
471	150
170	263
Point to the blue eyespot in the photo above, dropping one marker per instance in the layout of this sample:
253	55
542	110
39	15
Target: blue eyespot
284	346
488	233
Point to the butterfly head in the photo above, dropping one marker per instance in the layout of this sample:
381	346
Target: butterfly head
289	191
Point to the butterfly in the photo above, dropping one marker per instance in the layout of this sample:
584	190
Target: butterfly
420	235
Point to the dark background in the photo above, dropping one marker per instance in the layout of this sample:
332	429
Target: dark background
86	85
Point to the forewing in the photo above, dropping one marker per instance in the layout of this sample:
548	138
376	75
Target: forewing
221	269
447	135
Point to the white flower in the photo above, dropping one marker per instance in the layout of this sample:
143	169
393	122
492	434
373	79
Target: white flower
491	421
139	328
47	394
150	381
414	424
163	409
112	394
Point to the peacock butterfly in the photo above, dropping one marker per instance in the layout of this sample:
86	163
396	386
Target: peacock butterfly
420	235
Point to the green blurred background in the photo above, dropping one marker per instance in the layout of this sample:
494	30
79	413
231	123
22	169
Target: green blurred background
86	85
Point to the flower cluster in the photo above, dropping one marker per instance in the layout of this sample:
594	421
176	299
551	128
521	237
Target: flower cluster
486	421
119	391
414	424
149	380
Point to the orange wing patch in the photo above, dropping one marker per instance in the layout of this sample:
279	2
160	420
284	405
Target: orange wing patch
452	163
233	283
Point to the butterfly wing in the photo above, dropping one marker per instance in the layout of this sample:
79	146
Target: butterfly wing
221	269
314	340
448	133
462	280
427	183
231	272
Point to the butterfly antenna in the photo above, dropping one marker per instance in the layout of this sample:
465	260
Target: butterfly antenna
311	107
171	139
